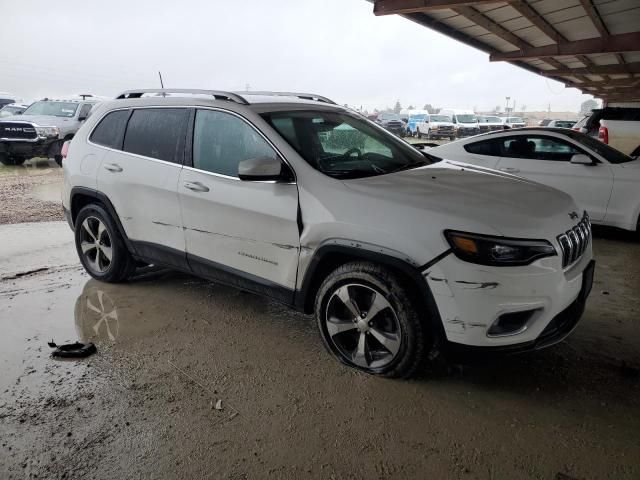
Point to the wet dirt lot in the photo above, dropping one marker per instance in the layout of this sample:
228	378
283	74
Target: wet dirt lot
170	346
30	192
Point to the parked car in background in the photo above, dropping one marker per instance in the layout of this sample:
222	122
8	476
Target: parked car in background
618	127
6	99
562	123
489	123
41	130
601	179
392	122
436	126
465	121
544	122
11	109
413	121
397	253
513	122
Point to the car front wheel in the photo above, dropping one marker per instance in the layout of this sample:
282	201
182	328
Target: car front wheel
100	246
367	320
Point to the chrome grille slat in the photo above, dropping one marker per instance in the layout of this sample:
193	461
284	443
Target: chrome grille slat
574	242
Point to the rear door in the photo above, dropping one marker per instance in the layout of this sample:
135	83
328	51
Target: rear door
547	159
244	232
140	177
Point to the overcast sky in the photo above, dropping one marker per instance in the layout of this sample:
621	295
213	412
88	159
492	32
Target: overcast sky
337	48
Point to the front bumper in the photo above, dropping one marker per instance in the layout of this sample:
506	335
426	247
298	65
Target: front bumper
467	132
471	298
41	147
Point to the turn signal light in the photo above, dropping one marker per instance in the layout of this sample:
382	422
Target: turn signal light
603	135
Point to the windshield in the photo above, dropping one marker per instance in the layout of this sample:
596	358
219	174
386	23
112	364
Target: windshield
515	120
389	116
54	109
490	119
9	111
342	145
467	118
610	154
439	118
565	123
416	118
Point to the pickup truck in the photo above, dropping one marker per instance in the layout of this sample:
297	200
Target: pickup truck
618	127
41	130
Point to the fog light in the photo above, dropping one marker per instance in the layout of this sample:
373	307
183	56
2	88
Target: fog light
510	323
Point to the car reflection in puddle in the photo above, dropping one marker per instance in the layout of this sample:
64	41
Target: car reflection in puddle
96	314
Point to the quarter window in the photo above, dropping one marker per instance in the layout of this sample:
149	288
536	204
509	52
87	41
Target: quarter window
110	130
84	110
221	141
486	147
157	133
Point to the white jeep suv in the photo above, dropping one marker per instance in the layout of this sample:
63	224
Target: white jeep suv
399	255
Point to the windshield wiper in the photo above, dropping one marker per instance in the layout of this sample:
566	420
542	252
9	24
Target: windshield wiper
410	166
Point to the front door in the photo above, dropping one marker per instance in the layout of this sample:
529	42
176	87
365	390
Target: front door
547	159
244	232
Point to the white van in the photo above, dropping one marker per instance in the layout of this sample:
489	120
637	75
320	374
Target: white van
465	121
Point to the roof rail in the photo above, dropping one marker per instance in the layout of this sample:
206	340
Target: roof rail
218	95
303	96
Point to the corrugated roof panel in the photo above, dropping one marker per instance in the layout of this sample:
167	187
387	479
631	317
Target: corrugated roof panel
486	7
623	22
577	29
546	6
503	14
458	22
534	37
606	7
442	14
474	31
496	42
564	15
603	58
632	57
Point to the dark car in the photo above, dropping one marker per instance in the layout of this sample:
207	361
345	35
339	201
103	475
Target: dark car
392	122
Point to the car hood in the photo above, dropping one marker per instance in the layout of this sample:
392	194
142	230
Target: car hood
41	120
462	196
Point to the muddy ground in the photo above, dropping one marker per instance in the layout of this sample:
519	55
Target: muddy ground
170	346
30	192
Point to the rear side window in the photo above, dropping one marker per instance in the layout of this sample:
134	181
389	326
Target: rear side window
157	133
486	147
110	130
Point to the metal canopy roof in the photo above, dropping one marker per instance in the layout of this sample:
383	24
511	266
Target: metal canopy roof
592	45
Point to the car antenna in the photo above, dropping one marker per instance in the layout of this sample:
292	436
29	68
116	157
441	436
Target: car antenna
161	83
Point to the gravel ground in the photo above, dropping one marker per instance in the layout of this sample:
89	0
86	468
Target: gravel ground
28	192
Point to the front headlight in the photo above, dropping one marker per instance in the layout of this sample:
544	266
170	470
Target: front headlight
48	131
497	251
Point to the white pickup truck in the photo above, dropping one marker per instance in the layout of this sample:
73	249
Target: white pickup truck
618	127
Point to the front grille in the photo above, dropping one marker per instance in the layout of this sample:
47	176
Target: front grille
574	242
18	131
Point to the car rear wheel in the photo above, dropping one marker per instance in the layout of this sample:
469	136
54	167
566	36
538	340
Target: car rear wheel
100	246
367	320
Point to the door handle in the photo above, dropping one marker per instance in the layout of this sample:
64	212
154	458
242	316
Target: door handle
510	170
196	186
113	167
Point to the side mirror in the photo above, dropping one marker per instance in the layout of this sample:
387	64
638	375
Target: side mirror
82	118
581	159
263	169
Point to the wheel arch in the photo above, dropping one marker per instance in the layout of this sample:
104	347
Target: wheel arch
82	196
329	257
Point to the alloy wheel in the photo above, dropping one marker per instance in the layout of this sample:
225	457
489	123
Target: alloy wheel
96	245
363	326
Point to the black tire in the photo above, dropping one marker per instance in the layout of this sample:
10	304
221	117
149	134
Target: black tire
9	160
411	339
58	159
121	265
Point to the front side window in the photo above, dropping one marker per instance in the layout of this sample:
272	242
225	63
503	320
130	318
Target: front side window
110	130
157	133
222	140
343	145
84	110
538	148
55	109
